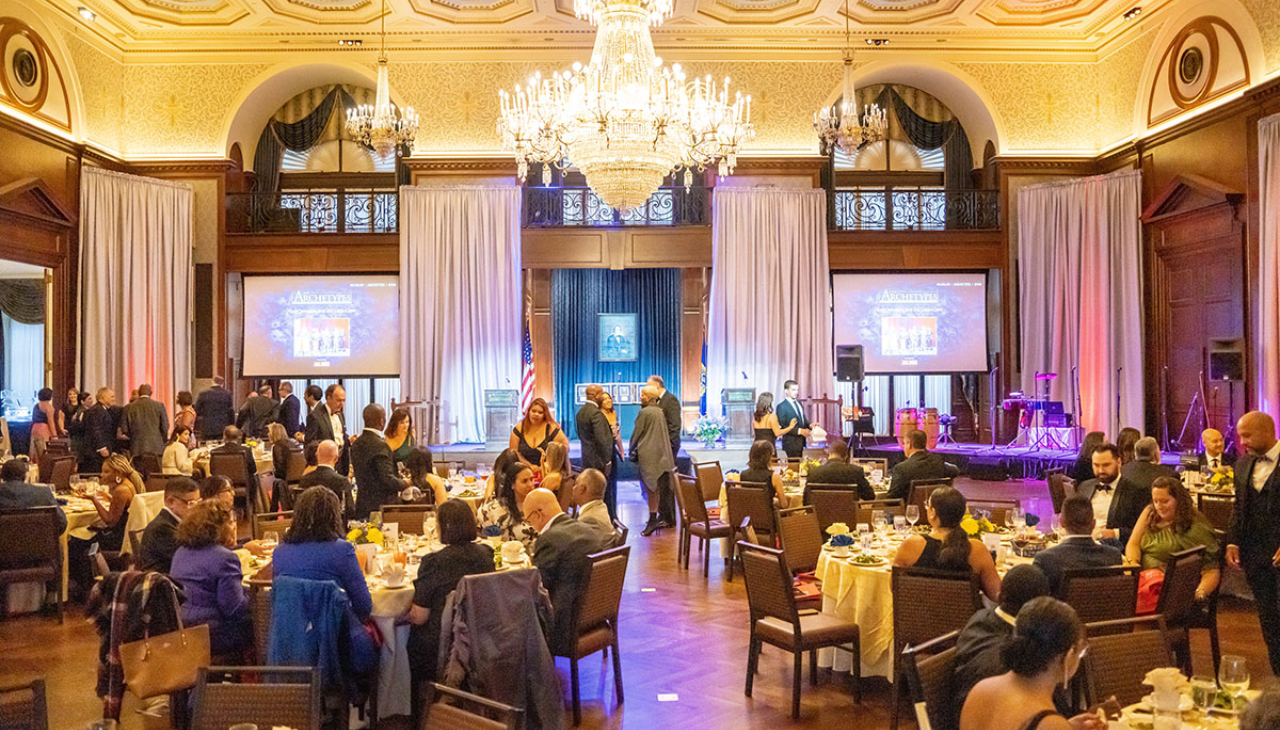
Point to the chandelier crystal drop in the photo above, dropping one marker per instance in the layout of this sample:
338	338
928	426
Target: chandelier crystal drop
838	126
383	127
625	120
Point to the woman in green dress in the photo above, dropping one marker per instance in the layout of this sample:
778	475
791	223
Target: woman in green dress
1171	524
400	435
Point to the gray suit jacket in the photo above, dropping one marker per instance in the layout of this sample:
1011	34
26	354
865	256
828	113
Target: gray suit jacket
651	446
560	555
146	423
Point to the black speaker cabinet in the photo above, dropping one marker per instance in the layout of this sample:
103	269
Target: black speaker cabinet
849	363
1226	359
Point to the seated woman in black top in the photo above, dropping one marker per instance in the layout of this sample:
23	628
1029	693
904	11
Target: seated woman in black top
1044	652
758	470
947	547
438	575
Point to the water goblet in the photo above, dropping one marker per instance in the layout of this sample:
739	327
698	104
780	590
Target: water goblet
913	514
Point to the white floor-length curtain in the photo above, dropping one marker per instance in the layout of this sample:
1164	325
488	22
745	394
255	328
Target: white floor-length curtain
1267	336
23	358
460	301
770	304
1079	261
135	284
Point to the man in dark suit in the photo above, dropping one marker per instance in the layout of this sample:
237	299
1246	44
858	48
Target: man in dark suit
1146	468
16	493
919	464
374	466
160	539
1215	454
258	411
980	642
289	412
673	413
1117	502
793	441
837	470
326	422
596	436
326	475
100	425
311	398
560	555
1077	549
146	422
1254	540
214	410
231	444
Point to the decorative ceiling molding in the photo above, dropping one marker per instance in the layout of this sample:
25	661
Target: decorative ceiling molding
329	12
1044	12
188	12
473	11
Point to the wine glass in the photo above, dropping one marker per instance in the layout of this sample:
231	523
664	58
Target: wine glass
1009	520
429	527
1233	675
1204	690
270	539
913	514
879	522
1056	524
1019	517
900	524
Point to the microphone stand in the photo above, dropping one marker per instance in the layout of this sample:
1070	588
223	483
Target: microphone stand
994	401
1119	390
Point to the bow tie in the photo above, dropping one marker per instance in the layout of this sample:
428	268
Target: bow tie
1103	487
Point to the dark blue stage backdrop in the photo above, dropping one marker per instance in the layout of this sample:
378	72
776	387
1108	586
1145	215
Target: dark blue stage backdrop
578	297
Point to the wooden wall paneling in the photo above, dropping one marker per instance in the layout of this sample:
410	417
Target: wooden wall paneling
686	247
312	254
554	248
695	287
542	332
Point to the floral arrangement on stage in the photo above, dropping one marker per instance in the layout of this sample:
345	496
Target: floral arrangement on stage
1223	479
708	430
975	525
365	535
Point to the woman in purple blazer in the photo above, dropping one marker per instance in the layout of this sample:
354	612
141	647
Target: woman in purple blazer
210	576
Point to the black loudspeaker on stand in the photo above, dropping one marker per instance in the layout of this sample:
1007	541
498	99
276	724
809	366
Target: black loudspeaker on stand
849	363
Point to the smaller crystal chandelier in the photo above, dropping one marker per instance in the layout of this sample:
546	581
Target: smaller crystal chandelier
838	126
382	127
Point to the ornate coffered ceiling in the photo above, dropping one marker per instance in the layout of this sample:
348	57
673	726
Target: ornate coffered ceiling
789	28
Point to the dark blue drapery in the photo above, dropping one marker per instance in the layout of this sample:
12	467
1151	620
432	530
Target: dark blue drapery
578	296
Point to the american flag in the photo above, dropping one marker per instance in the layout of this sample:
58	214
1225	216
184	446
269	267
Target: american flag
527	378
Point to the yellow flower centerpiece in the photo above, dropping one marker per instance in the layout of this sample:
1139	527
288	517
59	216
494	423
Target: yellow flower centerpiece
365	535
1223	479
975	526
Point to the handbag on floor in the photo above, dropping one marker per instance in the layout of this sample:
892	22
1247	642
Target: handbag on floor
158	665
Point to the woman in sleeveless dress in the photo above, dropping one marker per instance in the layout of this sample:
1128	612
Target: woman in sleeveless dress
529	439
765	422
400	435
947	547
44	423
1044	653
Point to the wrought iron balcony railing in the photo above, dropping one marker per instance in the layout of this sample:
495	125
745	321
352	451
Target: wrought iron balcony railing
579	206
913	209
338	210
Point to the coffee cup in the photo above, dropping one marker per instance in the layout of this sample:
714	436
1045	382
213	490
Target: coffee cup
513	551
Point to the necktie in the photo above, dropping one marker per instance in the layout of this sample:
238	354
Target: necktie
1214	462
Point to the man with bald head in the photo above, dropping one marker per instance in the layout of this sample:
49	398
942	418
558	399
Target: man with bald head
1254	539
326	475
596	437
373	465
1215	454
560	555
651	450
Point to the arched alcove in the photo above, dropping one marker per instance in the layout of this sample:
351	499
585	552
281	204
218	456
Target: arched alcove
67	74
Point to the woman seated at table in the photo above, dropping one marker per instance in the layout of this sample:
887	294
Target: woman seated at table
176	460
765	422
500	464
504	509
422	475
438	575
531	436
211	579
1044	652
1171	524
309	454
314	548
218	488
124	483
283	447
758	471
947	547
555	467
400	435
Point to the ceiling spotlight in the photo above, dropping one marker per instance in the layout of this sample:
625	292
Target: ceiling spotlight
350	42
87	14
1133	13
877	42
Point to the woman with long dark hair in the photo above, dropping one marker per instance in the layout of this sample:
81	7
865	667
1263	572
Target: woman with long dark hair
1083	469
1126	440
504	510
947	547
764	422
530	437
759	469
422	475
1171	524
400	435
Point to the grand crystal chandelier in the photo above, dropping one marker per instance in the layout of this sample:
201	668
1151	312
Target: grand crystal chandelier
382	127
625	119
838	125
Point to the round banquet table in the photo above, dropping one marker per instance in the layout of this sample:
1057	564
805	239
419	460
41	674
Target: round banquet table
263	460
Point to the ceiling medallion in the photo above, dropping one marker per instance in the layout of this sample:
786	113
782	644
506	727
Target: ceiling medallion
625	119
382	127
838	126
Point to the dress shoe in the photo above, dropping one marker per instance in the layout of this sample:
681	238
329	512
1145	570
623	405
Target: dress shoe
650	527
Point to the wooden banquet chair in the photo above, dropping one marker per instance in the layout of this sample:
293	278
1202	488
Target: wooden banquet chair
928	668
997	509
156	482
1182	612
833	504
30	549
801	546
1059	483
146	464
447	709
867	510
408	517
277	522
754	500
24	706
60	473
1120	655
1101	594
776	620
232	467
922	488
710	479
695	522
1218	509
596	618
263	696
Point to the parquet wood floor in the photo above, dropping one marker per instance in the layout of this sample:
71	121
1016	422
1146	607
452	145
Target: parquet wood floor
686	637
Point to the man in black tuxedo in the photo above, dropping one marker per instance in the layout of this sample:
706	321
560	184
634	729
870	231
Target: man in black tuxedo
289	412
919	464
258	411
100	425
837	470
232	439
214	410
673	413
311	398
146	422
1254	539
560	555
1077	549
793	441
1146	468
160	539
1117	502
325	475
326	421
596	436
1215	454
980	642
374	466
